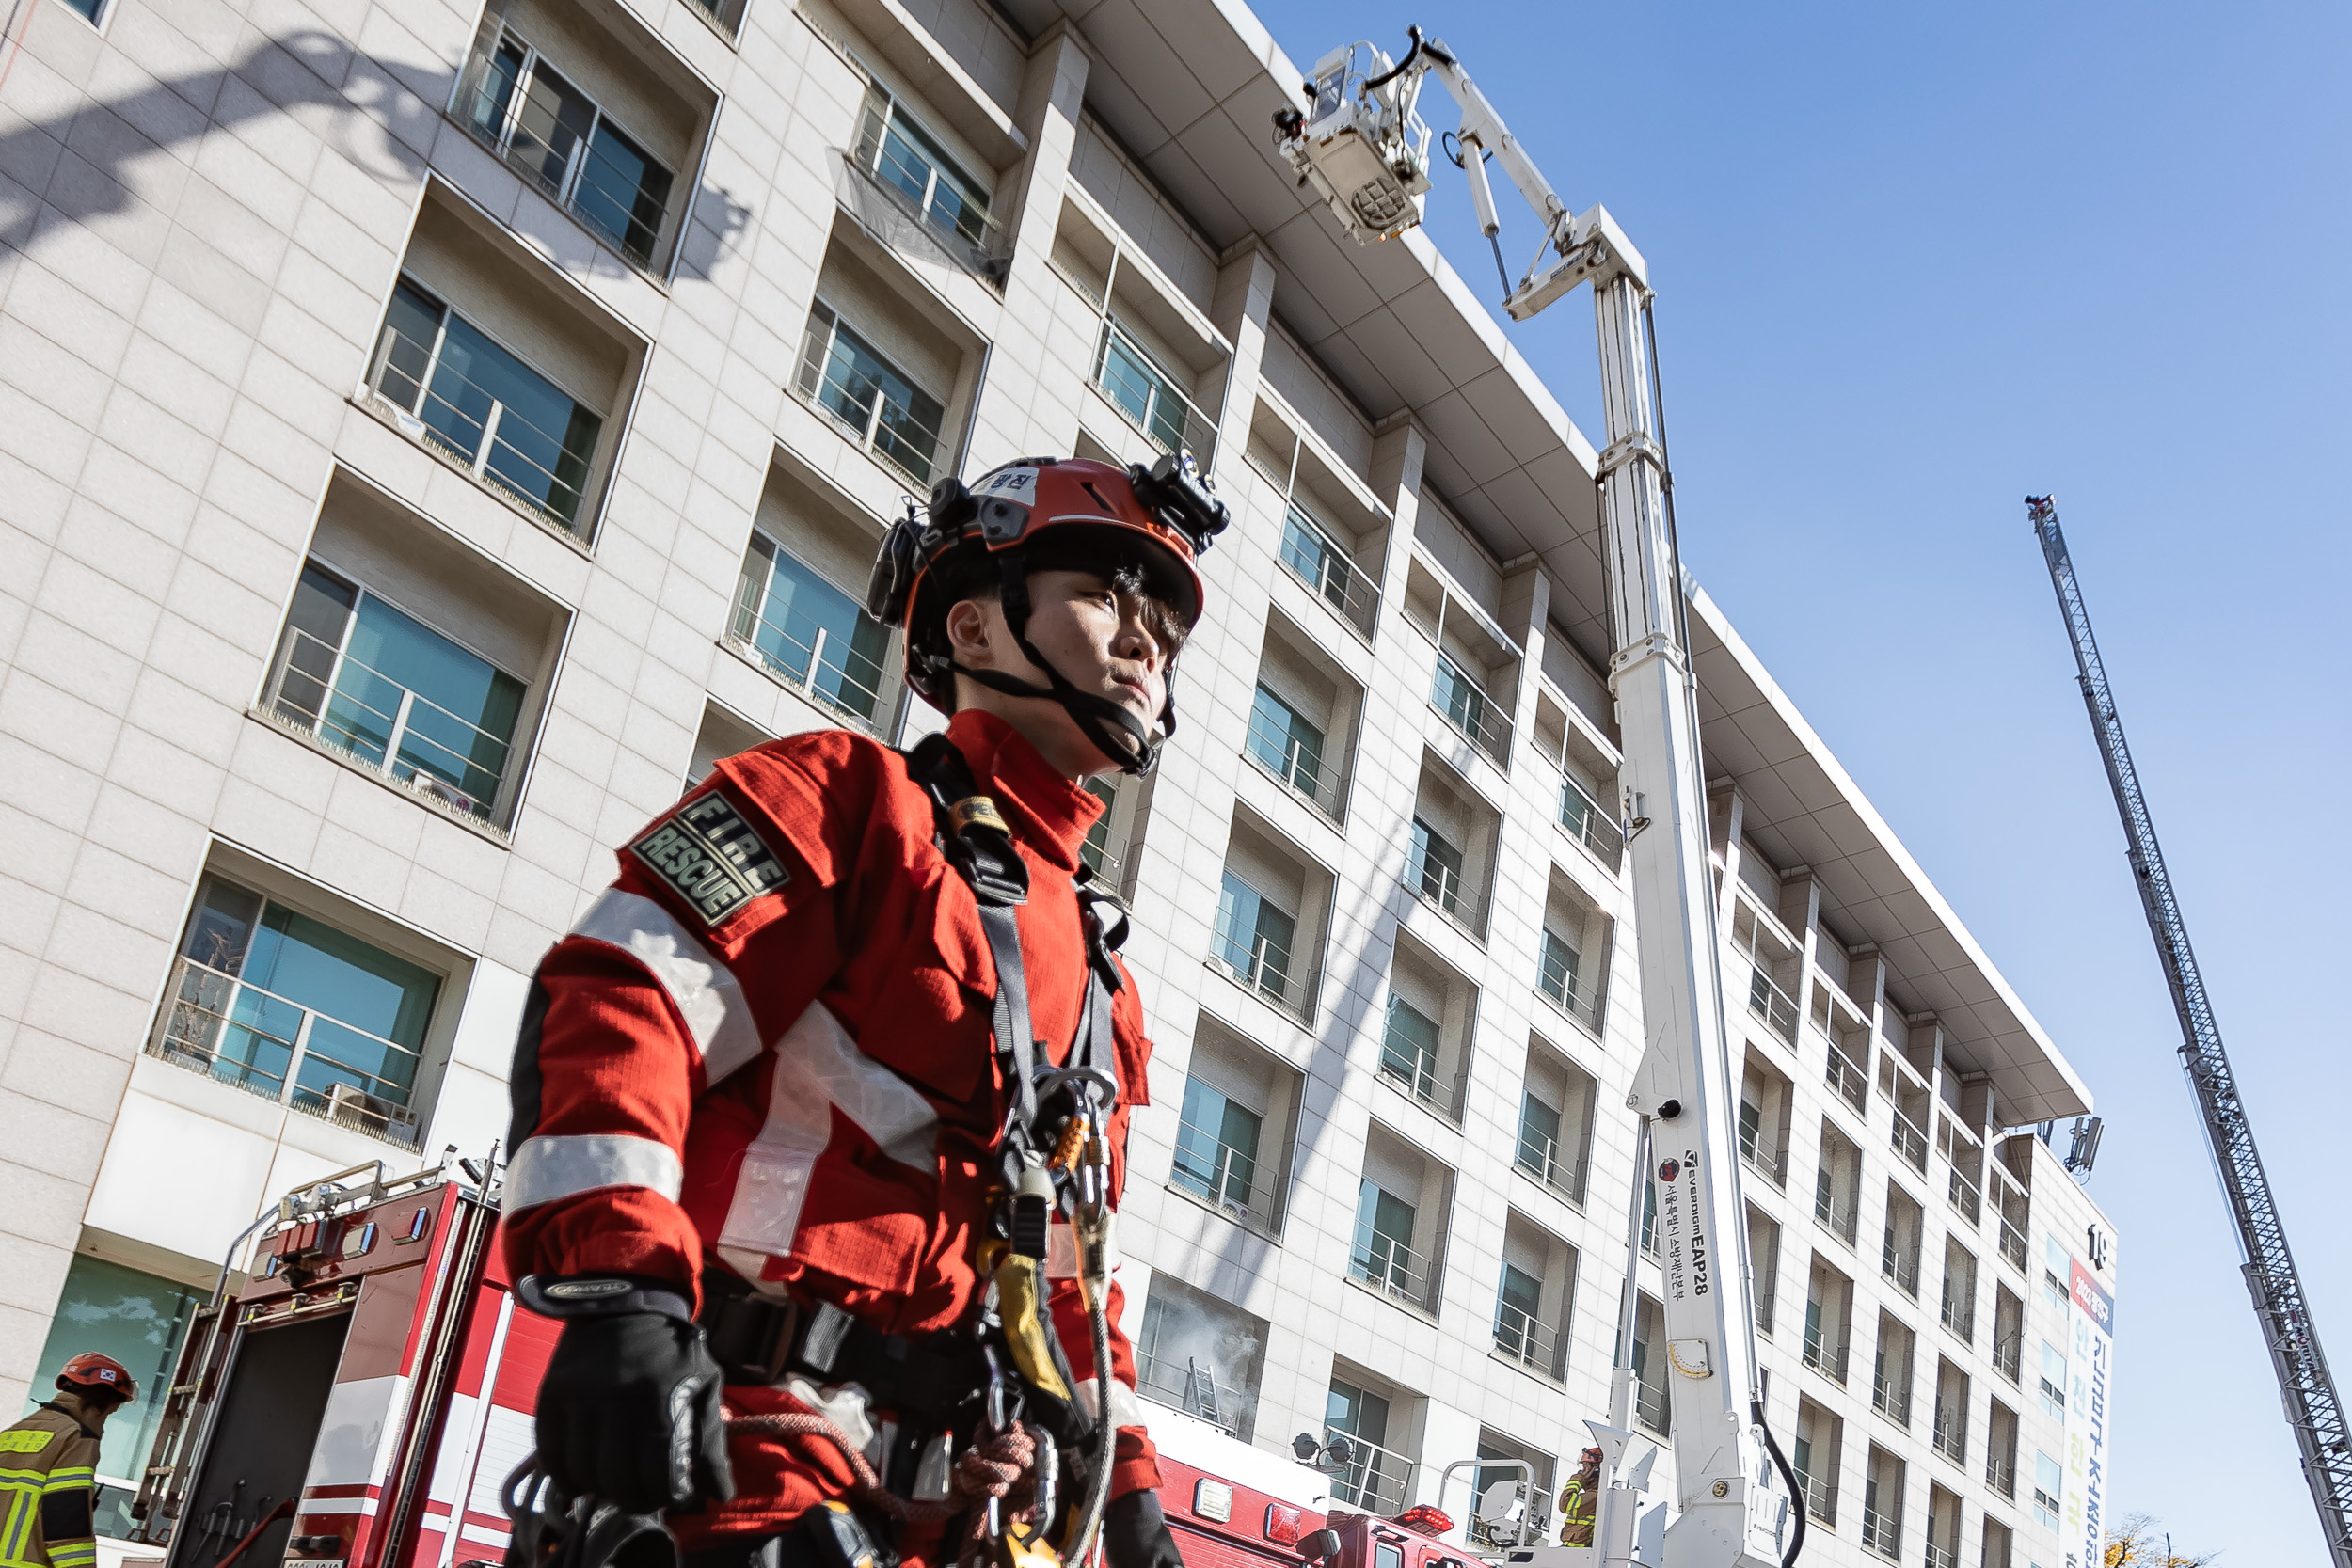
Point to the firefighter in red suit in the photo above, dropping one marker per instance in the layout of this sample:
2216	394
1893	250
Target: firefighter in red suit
771	1129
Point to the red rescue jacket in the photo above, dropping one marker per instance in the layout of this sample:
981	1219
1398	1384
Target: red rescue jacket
768	1046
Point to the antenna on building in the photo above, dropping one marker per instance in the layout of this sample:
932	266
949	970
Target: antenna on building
2085	1148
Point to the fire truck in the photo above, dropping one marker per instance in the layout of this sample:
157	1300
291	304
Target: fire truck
360	1393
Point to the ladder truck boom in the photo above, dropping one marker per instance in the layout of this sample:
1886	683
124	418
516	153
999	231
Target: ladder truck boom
1362	146
2305	1387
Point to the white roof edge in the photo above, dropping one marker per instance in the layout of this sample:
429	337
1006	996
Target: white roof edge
1786	711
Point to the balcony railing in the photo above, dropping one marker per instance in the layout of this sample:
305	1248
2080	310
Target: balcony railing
1941	1557
1959	1311
1467	707
1375	1480
1824	1357
2001	1474
1770	1162
1314	777
1389	1266
1891	1398
2007	1355
1416	1073
1900	1263
1437	882
619	192
1847	1077
1189	1387
1838	1211
1580	996
1149	396
1910	1142
899	160
1209	1168
2012	1245
868	400
1539	1156
1821	1496
262	1043
1966	1199
1882	1532
1315	558
1774	1006
1260	964
1952	1434
809	658
540	470
1526	1340
1590	824
384	727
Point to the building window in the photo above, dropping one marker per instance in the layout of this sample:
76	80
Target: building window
1372	1477
1317	561
557	137
1559	974
1383	1252
1150	395
1096	850
140	1320
1539	1141
1285	744
372	681
1408	1050
1254	938
504	422
1217	1148
908	162
2052	1380
881	407
1433	869
1517	1326
282	1006
809	633
1462	698
2049	1479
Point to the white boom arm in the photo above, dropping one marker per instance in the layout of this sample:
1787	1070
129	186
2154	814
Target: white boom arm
1365	151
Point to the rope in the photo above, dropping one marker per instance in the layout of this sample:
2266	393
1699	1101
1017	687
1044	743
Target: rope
999	1465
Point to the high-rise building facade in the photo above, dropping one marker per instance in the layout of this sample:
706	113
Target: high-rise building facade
431	434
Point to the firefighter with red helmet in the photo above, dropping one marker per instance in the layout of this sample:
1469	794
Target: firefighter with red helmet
49	1467
821	1110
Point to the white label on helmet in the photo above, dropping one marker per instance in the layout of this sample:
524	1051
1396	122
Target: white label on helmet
1018	485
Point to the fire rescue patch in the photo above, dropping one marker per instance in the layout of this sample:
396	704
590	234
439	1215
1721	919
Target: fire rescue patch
714	859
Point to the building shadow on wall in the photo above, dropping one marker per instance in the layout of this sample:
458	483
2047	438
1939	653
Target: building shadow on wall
83	168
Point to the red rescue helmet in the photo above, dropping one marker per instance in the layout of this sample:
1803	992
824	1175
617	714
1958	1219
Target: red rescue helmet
1159	518
92	1374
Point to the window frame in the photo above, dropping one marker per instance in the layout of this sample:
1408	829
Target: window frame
885	712
274	680
892	108
580	530
509	121
812	368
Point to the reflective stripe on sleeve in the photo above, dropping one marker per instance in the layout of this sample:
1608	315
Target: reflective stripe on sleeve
819	1071
550	1167
703	987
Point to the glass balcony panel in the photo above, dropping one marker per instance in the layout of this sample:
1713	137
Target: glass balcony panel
811	634
1590	825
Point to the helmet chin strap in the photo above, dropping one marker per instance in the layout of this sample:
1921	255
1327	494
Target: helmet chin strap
1113	731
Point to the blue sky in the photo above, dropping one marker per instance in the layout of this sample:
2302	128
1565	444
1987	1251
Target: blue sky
1914	263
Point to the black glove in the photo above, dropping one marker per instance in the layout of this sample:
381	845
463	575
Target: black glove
1135	1534
629	1414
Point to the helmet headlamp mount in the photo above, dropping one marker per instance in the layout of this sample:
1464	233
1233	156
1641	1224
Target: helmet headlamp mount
1164	513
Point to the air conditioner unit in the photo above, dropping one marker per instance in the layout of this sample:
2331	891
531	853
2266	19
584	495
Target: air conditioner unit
370	1112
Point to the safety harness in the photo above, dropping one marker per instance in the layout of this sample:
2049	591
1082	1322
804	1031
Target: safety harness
1009	1372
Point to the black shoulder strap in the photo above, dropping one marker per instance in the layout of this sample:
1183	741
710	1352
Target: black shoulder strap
978	844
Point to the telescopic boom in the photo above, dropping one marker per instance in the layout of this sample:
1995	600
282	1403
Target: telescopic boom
2304	1384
